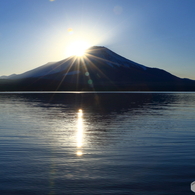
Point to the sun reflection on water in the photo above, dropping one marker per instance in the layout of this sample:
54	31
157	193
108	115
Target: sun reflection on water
80	131
79	153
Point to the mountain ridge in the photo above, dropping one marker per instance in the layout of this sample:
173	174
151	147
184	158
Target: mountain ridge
99	69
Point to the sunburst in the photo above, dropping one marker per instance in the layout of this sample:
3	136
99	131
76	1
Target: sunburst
77	48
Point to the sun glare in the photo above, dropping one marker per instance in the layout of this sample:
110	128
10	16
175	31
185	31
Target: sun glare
77	48
80	132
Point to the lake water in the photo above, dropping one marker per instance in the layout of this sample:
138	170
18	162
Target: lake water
97	143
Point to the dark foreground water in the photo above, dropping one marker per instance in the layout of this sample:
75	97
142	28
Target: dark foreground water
106	143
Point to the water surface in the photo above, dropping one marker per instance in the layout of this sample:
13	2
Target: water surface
97	143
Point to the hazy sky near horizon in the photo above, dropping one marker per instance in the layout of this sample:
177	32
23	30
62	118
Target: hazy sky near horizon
155	33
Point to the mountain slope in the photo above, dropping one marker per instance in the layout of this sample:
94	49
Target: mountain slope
99	69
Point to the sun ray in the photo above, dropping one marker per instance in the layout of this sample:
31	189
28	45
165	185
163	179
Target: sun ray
98	58
78	68
73	61
80	62
94	66
83	59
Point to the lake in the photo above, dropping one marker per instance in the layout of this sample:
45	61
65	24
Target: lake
97	143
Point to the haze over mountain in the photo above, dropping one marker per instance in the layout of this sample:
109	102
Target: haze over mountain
99	69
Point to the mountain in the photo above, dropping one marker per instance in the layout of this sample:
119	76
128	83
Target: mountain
99	69
7	77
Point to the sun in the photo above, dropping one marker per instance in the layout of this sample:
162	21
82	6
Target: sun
77	48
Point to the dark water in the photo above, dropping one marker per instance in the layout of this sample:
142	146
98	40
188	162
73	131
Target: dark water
117	143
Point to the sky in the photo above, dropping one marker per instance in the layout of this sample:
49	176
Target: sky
154	33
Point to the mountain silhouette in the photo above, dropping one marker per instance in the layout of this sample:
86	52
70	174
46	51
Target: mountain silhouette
99	69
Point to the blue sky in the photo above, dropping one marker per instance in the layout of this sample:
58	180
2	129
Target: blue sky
155	33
